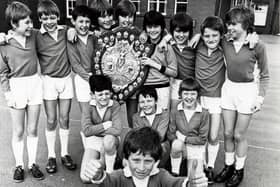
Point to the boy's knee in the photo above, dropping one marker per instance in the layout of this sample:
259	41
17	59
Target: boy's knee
177	146
238	137
213	139
51	123
110	143
32	131
64	121
18	133
228	134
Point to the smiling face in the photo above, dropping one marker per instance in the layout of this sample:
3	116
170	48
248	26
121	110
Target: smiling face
140	165
49	22
235	30
211	38
189	99
147	104
105	22
180	36
82	25
126	21
154	32
102	98
23	27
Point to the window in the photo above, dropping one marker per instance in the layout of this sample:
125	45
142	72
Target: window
246	3
158	5
70	5
137	5
180	6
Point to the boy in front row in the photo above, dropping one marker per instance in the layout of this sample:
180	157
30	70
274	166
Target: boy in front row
142	151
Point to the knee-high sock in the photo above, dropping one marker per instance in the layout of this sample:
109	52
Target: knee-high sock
240	162
50	137
18	151
212	154
110	161
32	144
64	134
175	164
229	156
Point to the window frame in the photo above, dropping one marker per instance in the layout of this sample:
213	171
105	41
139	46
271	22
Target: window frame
158	2
176	4
68	15
138	11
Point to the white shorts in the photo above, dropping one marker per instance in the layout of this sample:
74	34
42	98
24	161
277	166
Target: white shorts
174	86
212	104
54	88
82	89
195	151
163	97
239	96
26	91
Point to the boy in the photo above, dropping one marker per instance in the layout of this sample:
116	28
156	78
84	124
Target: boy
181	29
22	86
210	74
241	96
150	115
188	129
142	152
81	53
125	13
57	82
101	124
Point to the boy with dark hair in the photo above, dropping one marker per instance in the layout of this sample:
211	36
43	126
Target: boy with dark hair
101	124
239	106
142	151
125	13
81	53
188	129
181	29
210	74
150	115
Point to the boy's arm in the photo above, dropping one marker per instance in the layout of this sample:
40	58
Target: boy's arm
4	71
168	180
171	132
117	121
201	138
135	121
163	126
90	129
75	59
171	68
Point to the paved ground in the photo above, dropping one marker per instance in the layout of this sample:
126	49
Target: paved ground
262	167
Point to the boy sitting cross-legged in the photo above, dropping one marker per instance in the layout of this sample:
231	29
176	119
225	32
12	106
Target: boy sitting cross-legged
142	151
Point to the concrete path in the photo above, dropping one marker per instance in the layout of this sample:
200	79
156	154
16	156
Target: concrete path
262	166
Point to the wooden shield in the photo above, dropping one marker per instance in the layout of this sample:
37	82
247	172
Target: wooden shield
118	56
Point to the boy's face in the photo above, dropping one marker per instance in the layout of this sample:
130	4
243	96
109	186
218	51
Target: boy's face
189	98
211	38
105	22
180	36
49	22
24	26
126	21
102	98
82	25
140	165
154	31
235	30
147	104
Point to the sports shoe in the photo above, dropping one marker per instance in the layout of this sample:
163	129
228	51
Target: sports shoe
18	174
68	162
209	172
236	178
51	165
36	172
225	174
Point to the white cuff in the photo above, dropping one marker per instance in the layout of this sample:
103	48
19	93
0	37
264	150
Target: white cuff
100	180
107	125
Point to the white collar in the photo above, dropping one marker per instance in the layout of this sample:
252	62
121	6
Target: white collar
127	172
93	102
43	30
11	34
197	109
158	111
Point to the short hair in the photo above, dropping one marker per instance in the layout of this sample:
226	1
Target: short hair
145	140
83	11
100	83
182	21
47	7
100	8
189	84
125	8
153	18
16	11
147	91
243	15
214	23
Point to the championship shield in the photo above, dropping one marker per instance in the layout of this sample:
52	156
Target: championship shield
118	56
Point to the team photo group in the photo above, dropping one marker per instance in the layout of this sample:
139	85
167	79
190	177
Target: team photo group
152	100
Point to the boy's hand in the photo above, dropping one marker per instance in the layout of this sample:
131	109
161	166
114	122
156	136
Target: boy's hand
194	41
196	179
252	39
93	170
162	46
72	35
3	38
10	99
257	105
180	136
107	124
149	62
